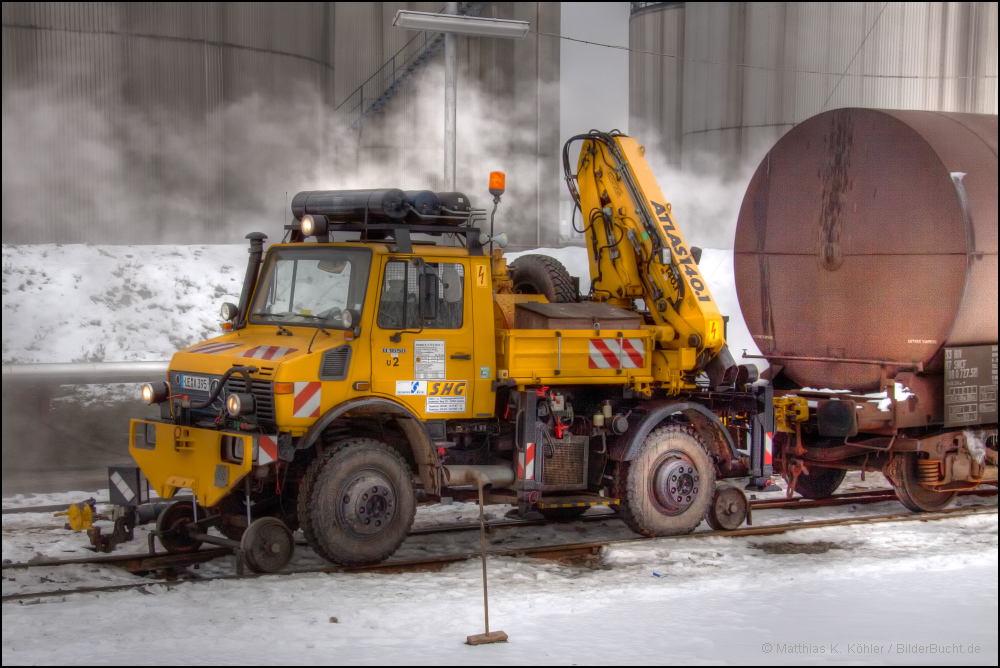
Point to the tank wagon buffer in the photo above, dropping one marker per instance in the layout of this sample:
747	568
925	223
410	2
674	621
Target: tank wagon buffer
367	369
866	267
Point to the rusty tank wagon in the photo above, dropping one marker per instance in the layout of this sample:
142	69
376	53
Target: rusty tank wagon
866	269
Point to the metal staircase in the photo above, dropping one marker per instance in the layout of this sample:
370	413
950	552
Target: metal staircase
389	79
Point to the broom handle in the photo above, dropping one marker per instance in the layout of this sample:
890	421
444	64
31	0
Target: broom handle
482	547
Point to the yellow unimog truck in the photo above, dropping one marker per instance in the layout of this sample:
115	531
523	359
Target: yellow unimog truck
367	369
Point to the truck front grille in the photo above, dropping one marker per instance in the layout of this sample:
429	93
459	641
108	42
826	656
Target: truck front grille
262	391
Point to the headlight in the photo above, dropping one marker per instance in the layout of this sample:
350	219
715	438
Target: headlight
240	404
313	225
228	311
154	393
347	318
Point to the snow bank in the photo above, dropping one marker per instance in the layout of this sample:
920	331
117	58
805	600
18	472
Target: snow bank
75	303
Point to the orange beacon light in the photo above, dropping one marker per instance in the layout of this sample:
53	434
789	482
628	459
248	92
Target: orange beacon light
497	183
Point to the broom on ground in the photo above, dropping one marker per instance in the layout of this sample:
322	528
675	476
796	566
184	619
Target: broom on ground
495	636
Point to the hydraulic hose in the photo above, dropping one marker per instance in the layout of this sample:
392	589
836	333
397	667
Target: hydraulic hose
245	370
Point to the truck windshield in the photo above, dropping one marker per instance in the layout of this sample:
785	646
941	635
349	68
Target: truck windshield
311	286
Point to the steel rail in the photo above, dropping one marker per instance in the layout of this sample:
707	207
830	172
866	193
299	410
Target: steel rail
863	496
544	552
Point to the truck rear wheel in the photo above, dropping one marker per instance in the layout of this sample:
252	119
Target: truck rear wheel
668	488
542	275
357	503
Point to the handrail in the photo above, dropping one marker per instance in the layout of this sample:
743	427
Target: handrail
83	373
390	77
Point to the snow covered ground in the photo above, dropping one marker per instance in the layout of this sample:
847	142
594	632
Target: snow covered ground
910	592
72	303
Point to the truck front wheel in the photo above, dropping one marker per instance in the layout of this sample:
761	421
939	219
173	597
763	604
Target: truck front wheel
356	502
667	489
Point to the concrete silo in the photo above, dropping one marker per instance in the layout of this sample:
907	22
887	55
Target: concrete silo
752	71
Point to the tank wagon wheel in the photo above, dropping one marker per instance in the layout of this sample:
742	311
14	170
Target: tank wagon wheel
171	523
668	488
542	275
729	508
903	473
356	502
267	545
821	482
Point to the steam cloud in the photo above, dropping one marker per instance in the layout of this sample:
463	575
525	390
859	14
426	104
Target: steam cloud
74	171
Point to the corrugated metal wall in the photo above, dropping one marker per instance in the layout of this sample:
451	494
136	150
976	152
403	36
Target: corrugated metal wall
138	122
753	70
188	123
656	91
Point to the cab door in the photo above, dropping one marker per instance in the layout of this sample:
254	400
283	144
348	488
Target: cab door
425	363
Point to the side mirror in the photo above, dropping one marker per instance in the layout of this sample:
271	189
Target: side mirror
429	294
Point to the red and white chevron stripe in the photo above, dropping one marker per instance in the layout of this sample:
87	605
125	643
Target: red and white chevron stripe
267	449
215	348
306	400
267	352
768	447
607	354
526	463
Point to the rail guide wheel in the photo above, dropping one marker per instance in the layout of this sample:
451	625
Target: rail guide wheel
267	545
172	524
729	508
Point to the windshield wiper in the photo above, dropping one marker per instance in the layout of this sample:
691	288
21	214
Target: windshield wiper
315	334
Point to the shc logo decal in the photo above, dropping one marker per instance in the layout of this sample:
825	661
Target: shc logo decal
446	388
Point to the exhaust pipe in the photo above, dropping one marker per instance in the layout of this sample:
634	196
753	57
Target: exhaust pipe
498	475
250	280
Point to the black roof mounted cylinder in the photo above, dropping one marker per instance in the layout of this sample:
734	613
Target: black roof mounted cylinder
424	202
352	205
455	201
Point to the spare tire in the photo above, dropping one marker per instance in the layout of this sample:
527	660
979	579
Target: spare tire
542	275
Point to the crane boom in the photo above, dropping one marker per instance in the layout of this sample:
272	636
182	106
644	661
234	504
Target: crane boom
637	251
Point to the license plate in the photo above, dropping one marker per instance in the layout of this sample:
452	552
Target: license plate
195	383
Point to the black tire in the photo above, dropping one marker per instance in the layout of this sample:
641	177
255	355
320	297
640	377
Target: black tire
357	502
563	513
542	275
902	473
821	483
673	453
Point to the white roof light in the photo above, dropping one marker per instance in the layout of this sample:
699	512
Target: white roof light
473	26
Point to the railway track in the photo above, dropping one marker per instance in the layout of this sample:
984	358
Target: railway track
555	552
152	561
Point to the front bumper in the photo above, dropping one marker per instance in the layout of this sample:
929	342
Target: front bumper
174	457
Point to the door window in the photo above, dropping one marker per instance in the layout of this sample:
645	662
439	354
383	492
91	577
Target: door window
399	305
